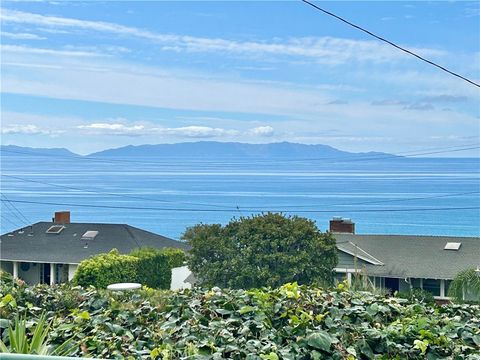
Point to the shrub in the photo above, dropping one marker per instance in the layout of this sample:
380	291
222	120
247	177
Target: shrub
417	295
466	286
176	257
104	269
262	250
154	269
19	341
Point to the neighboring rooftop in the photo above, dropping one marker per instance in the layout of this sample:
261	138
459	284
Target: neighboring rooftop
77	241
412	255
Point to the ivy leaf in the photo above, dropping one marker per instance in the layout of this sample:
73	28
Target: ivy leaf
246	309
320	340
476	339
421	345
271	356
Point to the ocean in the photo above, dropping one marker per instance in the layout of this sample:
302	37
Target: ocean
383	196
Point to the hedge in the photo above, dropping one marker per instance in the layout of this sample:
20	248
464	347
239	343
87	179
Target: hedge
176	257
148	266
154	268
104	269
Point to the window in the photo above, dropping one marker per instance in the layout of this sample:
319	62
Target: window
447	286
416	283
432	286
339	277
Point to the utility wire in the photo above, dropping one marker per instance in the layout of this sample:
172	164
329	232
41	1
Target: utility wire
22	217
387	156
11	222
111	194
249	210
237	208
388	200
391	43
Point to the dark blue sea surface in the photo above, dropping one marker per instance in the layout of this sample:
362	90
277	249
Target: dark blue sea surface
393	196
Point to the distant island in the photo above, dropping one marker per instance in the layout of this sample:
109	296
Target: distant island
206	149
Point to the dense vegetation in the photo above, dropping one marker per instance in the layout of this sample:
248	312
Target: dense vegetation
291	322
262	250
148	266
466	285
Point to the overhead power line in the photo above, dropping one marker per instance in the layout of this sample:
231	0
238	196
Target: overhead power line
85	190
236	207
22	218
391	200
390	156
11	222
391	43
249	210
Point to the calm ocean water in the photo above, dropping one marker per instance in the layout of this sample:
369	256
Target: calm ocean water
177	192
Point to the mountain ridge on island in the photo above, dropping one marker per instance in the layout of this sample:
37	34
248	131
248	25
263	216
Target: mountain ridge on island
205	149
213	149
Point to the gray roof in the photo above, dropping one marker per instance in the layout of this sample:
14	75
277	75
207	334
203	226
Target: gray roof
68	247
414	256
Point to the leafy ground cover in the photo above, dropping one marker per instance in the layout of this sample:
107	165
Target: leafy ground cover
291	322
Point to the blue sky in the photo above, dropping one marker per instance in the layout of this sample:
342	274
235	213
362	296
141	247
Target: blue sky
94	75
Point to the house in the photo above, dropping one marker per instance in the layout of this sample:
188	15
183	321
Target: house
402	262
49	252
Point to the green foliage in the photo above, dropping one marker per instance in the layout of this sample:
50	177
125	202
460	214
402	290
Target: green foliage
149	266
466	284
176	257
418	295
104	269
21	342
290	322
263	250
153	268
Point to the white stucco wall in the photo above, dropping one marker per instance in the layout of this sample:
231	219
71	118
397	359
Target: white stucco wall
179	275
71	271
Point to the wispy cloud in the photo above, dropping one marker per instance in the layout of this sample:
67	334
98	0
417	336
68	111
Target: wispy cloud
192	131
265	131
445	98
125	128
113	129
197	132
325	50
421	106
28	129
41	51
388	102
337	102
22	36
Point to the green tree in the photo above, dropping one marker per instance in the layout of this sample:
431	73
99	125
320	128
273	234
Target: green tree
263	250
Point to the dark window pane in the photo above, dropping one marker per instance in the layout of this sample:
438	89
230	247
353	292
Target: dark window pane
432	286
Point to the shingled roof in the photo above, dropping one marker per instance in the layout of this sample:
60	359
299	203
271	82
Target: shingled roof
36	245
409	256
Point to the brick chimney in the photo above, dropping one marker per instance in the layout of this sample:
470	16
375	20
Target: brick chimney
342	225
62	217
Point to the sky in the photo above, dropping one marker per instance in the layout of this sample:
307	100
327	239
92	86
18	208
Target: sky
91	75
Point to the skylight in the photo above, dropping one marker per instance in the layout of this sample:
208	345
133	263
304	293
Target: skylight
452	246
55	229
89	235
